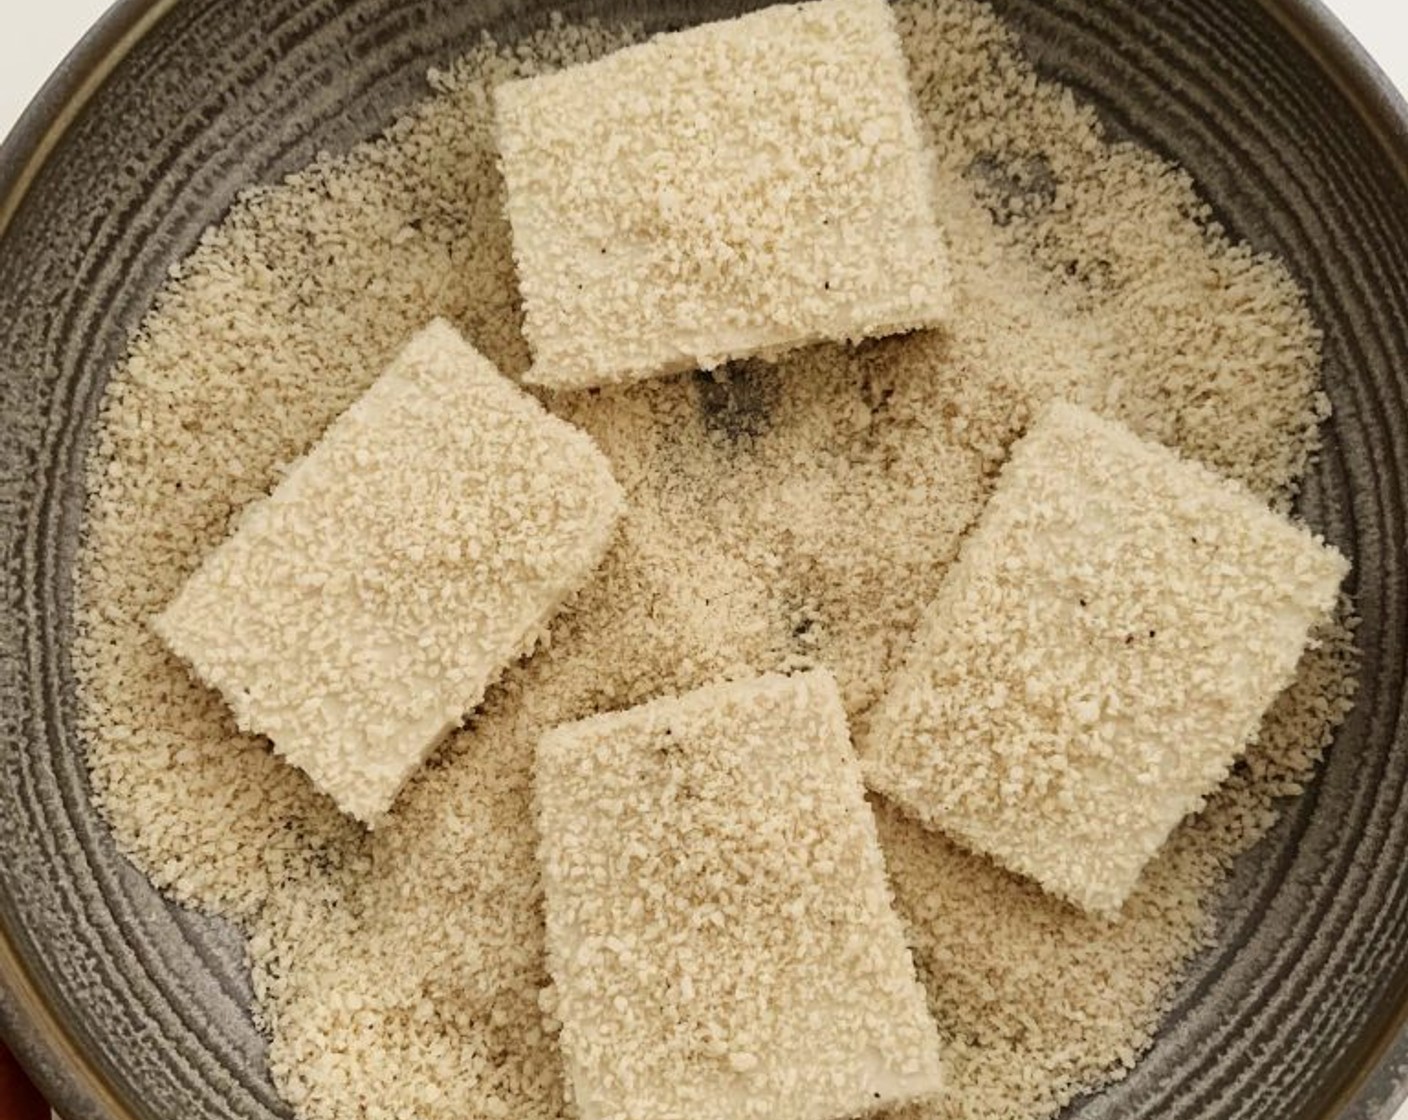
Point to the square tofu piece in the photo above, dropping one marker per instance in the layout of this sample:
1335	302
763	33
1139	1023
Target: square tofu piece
1102	651
359	612
719	923
741	188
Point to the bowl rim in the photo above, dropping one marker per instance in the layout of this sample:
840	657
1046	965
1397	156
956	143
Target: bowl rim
30	1025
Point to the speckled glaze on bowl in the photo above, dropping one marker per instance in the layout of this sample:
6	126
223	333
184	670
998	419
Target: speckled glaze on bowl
124	1006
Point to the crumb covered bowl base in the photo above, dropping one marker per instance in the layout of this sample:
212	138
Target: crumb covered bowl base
127	1005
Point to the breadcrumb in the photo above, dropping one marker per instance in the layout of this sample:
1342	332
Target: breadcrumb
741	188
719	925
1101	653
359	612
780	516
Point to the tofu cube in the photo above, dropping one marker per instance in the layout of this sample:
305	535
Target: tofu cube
719	924
359	612
1102	651
742	188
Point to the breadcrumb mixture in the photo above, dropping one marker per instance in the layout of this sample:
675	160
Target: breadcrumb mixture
781	517
720	932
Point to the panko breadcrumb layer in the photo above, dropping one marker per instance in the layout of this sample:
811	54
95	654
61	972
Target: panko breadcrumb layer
780	516
1099	656
719	927
741	188
361	611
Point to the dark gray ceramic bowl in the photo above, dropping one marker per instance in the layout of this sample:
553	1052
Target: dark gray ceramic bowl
124	1006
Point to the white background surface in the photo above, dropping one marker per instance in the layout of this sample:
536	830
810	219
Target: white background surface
36	34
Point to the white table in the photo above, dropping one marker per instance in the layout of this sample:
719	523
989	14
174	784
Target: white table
37	35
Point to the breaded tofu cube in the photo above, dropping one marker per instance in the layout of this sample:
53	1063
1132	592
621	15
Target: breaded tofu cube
719	923
1098	657
361	611
741	188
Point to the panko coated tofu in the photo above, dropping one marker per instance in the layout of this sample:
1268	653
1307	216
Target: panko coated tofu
742	188
1099	656
719	924
361	611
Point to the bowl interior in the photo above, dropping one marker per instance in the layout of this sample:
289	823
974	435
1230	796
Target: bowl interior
126	1005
